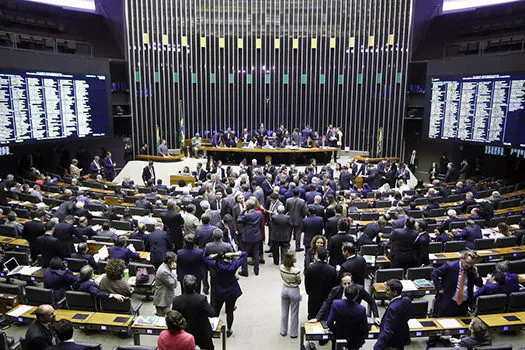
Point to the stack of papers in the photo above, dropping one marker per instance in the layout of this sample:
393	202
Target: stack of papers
449	323
29	270
414	324
103	253
214	322
423	283
19	311
408	286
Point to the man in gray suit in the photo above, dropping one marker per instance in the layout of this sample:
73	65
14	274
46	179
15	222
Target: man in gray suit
218	246
215	215
296	208
165	284
280	228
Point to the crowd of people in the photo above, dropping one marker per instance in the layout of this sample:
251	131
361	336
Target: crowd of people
205	236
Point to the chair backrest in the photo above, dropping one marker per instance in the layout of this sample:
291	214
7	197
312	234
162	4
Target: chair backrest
455	197
102	239
517	266
37	296
506	242
76	264
516	302
21	257
9	231
435	247
97	221
485	268
415	273
495	221
491	304
432	227
121	225
454	246
102	266
109	305
387	229
158	212
437	212
138	244
509	203
360	205
5	209
369	216
354	216
470	207
457	224
22	213
481	222
483	194
90	346
139	211
483	243
15	289
416	214
81	301
513	219
419	309
495	347
421	201
383	204
384	275
370	249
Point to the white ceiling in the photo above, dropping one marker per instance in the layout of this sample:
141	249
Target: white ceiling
458	5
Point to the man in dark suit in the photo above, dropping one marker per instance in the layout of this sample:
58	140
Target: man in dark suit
363	169
345	178
95	167
83	227
464	170
354	263
470	233
337	293
413	162
173	222
452	173
64	331
40	335
190	261
65	233
196	310
402	251
296	208
317	207
47	245
109	167
319	279
148	172
280	234
332	223
347	319
204	233
81	253
454	281
143	203
217	246
335	243
371	232
469	200
394	332
220	204
313	225
66	208
327	191
159	243
250	225
120	251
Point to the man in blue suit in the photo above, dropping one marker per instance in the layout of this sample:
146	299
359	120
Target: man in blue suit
313	225
109	167
346	178
47	245
204	233
512	283
250	226
120	251
455	281
58	278
347	319
470	233
190	261
64	331
394	331
159	243
403	250
496	285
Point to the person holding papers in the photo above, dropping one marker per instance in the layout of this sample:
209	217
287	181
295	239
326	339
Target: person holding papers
82	253
454	282
86	283
394	332
347	319
120	251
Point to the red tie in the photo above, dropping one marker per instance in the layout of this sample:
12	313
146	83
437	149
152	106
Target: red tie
461	286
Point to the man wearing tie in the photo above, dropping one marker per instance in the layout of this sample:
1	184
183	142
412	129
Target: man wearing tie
148	173
109	167
95	167
455	281
413	162
200	174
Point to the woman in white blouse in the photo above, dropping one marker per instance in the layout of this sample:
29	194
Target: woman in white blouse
290	295
74	170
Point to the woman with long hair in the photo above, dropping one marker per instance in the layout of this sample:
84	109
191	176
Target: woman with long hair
311	254
290	295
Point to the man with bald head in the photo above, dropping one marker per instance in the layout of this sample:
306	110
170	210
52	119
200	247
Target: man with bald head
40	334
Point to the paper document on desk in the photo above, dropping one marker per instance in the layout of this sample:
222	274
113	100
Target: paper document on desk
408	286
485	252
103	252
120	232
370	259
83	188
19	311
29	270
214	322
96	213
516	226
414	324
449	323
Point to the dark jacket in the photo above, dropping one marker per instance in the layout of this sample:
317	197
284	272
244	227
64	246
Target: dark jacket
49	247
347	320
337	293
173	223
446	278
250	226
38	337
335	243
90	287
204	235
224	285
60	281
190	262
319	279
356	265
421	247
280	228
331	225
122	253
470	234
65	232
91	261
159	243
312	225
67	346
196	310
403	252
146	174
394	331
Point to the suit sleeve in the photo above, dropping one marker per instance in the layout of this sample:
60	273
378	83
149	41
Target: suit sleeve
208	309
330	320
307	280
437	276
168	279
387	333
327	304
371	302
78	234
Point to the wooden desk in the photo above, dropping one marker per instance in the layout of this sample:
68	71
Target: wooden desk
504	322
141	329
171	158
314	331
78	318
380	261
110	322
174	179
364	157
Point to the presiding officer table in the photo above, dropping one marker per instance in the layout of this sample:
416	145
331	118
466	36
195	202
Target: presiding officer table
278	155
